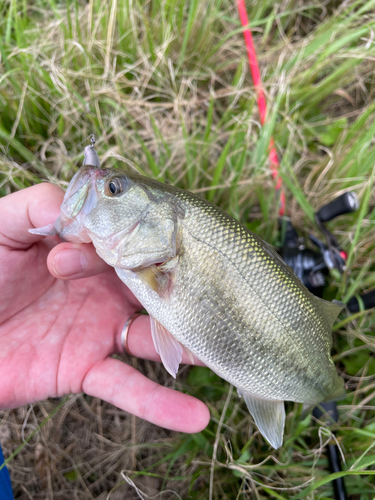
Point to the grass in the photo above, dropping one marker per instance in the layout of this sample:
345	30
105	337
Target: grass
165	88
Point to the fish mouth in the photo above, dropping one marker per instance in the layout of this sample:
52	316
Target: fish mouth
80	199
82	194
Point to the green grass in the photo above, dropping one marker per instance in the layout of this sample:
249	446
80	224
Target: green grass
165	88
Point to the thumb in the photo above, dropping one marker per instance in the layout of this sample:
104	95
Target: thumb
32	207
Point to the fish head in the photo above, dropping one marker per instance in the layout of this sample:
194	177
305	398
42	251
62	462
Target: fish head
106	207
131	220
131	224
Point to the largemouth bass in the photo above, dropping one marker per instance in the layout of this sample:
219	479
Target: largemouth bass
210	286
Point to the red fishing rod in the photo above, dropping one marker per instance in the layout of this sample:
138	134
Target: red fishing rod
261	100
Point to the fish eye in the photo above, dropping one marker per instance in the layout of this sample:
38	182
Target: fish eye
114	187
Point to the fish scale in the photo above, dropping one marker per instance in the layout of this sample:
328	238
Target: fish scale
211	286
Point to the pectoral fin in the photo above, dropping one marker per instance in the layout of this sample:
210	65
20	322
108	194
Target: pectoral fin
159	278
154	278
269	417
169	349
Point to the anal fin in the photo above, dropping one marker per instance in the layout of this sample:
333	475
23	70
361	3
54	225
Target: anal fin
269	417
169	349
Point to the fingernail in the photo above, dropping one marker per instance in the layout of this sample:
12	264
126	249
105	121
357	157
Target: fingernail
69	262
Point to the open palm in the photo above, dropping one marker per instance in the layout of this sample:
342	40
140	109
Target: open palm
58	332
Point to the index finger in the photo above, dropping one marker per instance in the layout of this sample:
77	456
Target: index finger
35	206
126	388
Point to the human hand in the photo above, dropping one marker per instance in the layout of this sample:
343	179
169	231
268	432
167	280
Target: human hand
58	332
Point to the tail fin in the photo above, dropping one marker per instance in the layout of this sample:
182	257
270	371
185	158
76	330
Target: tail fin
338	392
331	311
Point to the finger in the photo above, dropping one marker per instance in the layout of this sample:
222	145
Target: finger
140	344
126	388
74	261
32	207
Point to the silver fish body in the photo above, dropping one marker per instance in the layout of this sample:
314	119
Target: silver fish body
211	286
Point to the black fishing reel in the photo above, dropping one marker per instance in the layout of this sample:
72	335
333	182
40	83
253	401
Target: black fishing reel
312	265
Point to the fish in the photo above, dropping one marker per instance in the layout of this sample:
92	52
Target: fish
210	286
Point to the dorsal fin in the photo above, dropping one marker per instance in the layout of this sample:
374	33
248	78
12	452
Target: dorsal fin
331	309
